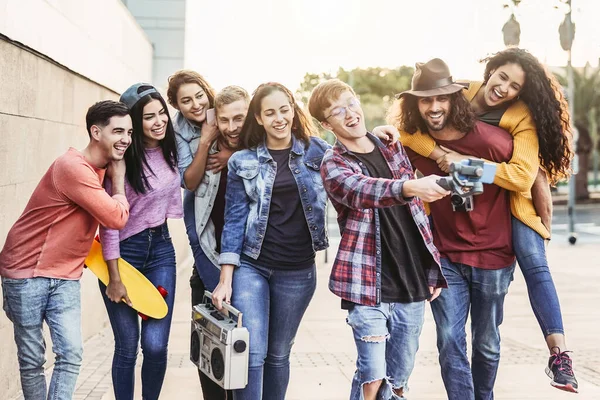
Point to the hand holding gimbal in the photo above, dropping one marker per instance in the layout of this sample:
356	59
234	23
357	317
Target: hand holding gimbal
466	180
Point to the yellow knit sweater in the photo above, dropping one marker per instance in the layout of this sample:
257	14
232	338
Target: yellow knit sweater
519	173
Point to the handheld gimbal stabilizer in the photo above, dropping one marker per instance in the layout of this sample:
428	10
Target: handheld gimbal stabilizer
466	180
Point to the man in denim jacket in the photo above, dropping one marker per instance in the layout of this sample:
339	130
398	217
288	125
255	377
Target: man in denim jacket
386	266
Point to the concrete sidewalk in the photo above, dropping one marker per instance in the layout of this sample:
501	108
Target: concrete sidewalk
324	354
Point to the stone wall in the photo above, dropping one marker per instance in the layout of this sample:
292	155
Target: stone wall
42	114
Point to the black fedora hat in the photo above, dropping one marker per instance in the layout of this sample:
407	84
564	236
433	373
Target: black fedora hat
432	78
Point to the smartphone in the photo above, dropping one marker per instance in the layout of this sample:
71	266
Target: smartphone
211	119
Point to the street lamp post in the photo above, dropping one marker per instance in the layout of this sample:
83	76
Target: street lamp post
512	29
567	34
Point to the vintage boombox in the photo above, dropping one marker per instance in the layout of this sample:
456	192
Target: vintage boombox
219	344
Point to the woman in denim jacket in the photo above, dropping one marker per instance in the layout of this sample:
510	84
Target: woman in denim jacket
200	163
274	224
193	97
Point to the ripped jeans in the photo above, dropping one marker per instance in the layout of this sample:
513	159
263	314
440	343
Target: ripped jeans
387	340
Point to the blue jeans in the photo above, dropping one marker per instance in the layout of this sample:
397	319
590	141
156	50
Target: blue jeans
209	274
205	277
29	302
482	291
530	250
273	303
151	252
387	340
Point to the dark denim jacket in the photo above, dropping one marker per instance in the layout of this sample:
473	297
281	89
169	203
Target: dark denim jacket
248	198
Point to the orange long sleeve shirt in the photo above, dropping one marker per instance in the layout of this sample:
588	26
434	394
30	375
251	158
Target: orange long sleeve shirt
54	234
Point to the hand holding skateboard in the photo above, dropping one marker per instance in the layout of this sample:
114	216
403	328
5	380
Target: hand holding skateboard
142	294
117	292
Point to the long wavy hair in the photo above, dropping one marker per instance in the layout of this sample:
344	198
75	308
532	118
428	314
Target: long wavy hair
135	156
253	133
405	114
549	110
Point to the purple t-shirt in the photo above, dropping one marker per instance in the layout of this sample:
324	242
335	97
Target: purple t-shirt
146	210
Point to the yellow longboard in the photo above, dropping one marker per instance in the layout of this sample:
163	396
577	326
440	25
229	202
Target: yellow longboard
145	297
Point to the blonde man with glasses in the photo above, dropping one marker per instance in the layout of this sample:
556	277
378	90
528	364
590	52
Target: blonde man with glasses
387	266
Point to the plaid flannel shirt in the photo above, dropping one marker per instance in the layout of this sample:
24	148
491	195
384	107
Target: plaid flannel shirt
356	273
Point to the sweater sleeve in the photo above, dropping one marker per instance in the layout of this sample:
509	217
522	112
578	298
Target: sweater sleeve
80	184
420	143
519	173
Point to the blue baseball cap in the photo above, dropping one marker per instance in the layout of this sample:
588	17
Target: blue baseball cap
131	95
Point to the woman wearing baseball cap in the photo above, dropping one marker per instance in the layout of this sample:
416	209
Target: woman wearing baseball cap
152	189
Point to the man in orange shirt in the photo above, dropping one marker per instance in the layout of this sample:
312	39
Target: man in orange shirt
42	260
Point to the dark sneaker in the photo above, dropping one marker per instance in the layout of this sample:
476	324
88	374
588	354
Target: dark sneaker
560	370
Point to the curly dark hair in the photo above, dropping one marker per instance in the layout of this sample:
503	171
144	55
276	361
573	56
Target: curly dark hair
253	133
543	95
406	117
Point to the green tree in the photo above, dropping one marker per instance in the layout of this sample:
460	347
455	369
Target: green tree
375	87
586	118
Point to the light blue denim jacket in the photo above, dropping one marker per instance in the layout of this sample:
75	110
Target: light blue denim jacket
248	198
187	136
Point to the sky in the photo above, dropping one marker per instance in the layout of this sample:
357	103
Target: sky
248	42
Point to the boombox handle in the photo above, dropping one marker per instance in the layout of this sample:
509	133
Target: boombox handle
237	313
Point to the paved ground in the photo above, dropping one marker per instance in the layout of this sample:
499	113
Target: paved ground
323	356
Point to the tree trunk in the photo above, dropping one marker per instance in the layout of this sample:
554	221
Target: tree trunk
584	148
581	179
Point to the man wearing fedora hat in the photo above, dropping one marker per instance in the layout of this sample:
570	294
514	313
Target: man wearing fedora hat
476	248
386	266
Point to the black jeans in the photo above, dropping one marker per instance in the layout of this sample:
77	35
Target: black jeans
210	390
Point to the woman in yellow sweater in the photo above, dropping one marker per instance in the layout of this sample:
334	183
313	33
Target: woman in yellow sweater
518	95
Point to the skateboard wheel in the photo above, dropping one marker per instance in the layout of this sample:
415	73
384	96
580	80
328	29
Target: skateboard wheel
143	316
163	292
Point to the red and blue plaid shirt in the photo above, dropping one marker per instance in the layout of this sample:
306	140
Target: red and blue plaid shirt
356	273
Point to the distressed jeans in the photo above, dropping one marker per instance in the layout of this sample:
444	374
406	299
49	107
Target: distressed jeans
387	340
28	303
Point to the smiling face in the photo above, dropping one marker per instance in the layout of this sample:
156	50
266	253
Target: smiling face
113	138
345	117
435	111
276	116
193	102
505	83
154	123
230	119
